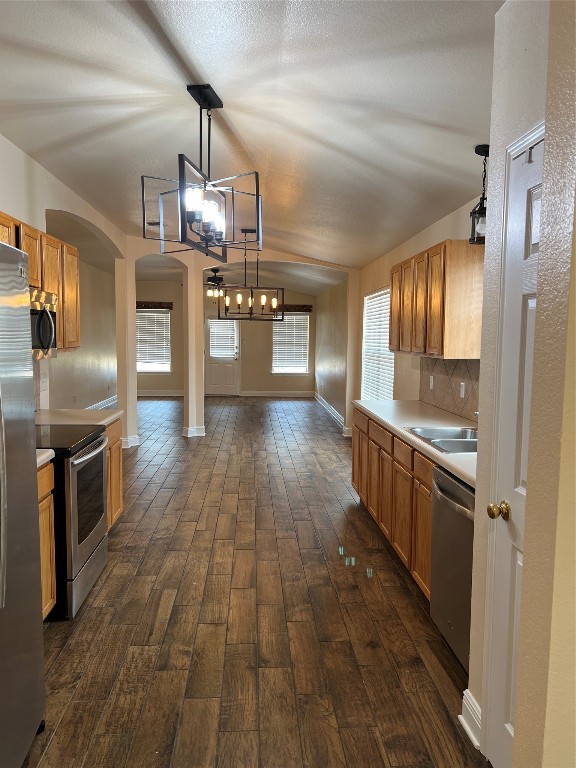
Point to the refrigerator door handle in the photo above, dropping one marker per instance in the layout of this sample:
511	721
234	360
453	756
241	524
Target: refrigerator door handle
3	511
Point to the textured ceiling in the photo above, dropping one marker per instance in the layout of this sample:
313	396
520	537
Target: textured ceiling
361	117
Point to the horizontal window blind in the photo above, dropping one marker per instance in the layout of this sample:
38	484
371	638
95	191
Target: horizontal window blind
223	339
153	341
290	345
377	360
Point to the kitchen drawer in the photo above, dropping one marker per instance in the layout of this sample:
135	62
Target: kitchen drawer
360	420
114	431
380	436
423	469
45	480
403	453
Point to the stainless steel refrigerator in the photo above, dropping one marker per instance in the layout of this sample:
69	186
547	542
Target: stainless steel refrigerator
21	642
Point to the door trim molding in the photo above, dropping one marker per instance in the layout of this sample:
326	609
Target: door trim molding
471	718
513	151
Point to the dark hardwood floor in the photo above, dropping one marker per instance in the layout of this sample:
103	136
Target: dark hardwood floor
228	630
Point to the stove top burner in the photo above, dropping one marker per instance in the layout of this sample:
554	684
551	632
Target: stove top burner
67	439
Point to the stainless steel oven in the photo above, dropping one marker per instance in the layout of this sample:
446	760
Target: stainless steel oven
80	513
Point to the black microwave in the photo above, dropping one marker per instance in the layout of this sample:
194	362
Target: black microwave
43	309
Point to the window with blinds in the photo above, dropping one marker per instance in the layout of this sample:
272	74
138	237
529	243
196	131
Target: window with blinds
290	345
377	360
153	341
223	339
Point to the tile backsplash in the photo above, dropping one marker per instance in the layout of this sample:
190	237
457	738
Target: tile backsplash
448	378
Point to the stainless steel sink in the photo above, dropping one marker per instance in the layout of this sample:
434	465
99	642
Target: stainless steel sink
447	433
448	439
456	446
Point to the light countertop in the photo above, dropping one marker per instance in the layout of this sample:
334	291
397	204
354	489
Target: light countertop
103	416
397	415
43	456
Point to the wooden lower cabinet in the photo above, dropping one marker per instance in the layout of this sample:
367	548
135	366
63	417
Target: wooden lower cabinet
386	478
115	500
402	513
363	469
355	457
393	481
422	536
374	480
45	480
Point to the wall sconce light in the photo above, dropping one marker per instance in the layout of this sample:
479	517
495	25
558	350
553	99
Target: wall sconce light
478	213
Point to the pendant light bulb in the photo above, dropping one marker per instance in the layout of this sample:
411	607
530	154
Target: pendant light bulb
263	300
239	299
274	303
209	292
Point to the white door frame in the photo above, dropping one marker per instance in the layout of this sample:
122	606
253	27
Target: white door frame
513	151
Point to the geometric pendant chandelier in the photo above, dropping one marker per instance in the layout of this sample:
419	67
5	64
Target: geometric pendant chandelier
196	212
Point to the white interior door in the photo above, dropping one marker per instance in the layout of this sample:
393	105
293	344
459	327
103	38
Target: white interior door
222	367
518	316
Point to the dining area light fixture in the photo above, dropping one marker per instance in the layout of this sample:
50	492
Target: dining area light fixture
478	213
196	211
251	302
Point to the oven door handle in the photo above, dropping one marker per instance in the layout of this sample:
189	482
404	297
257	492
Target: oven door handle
84	459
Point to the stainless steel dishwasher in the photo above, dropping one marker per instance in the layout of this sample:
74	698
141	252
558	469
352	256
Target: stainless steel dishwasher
451	575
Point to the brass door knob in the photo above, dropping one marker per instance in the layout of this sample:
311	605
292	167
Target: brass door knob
499	510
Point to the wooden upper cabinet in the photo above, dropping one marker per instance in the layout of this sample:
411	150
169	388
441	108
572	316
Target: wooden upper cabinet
438	309
70	309
435	304
31	243
394	334
463	291
8	229
406	299
51	248
420	303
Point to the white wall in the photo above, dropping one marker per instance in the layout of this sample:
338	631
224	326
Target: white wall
331	346
84	376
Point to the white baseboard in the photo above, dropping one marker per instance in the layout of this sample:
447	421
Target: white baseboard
194	432
471	718
291	393
160	393
131	441
110	402
332	411
347	431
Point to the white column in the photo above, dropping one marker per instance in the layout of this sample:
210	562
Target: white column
193	348
353	348
127	386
